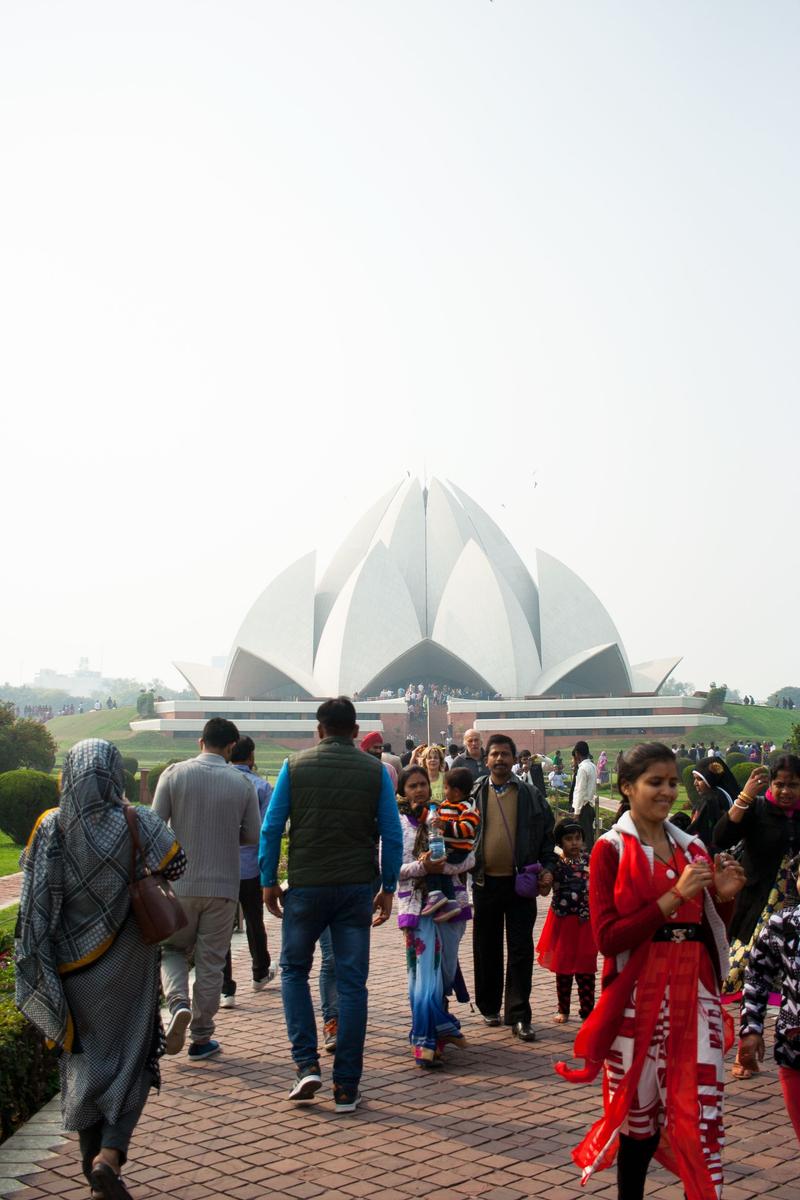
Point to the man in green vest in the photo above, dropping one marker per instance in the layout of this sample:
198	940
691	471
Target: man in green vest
339	801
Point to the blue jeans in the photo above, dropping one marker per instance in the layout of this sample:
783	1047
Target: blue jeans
328	995
307	912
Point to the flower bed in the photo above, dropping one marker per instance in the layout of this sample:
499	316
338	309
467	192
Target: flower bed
28	1070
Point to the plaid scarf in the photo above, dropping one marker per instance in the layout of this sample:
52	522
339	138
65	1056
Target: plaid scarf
75	896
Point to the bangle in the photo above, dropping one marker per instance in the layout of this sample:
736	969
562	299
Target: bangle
674	892
738	804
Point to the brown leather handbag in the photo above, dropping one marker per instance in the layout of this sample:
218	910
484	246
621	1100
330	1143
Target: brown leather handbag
157	909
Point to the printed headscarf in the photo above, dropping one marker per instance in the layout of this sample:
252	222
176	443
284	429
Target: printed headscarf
76	871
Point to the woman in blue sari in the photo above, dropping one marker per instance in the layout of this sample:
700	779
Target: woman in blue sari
432	1026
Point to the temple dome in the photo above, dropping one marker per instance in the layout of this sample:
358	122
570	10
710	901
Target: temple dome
426	588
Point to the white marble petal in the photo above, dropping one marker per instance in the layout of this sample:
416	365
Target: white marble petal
651	676
481	621
402	532
572	618
596	671
504	559
347	558
279	628
372	622
208	682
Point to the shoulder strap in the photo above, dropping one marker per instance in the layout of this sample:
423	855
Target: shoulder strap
136	845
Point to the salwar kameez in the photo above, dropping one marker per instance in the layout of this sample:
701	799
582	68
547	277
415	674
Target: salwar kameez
432	1027
658	1031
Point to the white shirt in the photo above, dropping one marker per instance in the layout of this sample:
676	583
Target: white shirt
585	785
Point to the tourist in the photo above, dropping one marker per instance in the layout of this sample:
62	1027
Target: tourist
774	958
391	760
451	756
472	758
433	762
658	909
337	799
716	787
212	809
602	768
523	763
372	743
584	787
456	819
250	896
566	943
768	827
516	831
84	977
432	1027
535	773
405	757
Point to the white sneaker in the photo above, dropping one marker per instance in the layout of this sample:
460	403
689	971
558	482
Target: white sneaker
260	984
227	1001
176	1030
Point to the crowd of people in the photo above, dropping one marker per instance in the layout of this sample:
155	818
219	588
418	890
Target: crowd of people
417	695
689	916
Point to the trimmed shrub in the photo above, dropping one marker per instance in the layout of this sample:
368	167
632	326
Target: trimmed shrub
24	796
742	772
688	783
681	765
129	763
131	787
734	758
28	1070
155	774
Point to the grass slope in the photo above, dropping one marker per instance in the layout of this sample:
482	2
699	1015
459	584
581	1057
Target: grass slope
150	749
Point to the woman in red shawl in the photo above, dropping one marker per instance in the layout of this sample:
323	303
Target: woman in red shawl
658	906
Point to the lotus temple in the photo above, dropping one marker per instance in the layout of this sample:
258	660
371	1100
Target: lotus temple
427	590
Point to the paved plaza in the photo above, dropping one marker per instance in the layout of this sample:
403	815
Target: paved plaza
495	1123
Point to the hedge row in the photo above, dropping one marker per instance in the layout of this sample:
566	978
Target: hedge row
28	1070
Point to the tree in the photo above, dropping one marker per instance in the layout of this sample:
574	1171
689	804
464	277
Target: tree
794	739
24	743
785	693
677	687
716	696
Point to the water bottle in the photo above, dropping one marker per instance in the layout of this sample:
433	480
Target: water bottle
435	841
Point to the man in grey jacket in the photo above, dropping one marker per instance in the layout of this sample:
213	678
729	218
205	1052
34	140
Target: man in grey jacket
213	810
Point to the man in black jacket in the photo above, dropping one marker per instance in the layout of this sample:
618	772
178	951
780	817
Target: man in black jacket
516	830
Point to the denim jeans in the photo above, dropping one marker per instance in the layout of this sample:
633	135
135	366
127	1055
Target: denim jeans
307	912
328	995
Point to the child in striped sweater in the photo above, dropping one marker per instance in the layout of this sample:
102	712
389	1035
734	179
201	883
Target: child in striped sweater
457	820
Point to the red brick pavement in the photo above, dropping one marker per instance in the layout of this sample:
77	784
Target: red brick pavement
495	1123
10	888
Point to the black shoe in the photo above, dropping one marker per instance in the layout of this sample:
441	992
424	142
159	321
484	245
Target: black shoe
307	1083
492	1019
524	1031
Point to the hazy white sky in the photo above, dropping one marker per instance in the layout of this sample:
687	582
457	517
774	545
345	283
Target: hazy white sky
258	259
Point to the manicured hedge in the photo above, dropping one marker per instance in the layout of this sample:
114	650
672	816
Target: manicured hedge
28	1070
24	796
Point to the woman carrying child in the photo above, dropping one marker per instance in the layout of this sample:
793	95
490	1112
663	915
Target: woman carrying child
432	1027
566	943
658	906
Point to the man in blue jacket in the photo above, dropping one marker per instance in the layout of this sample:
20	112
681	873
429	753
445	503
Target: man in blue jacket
339	801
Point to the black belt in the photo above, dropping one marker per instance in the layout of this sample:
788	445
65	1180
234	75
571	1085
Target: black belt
678	933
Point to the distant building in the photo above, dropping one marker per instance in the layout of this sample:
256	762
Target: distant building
82	682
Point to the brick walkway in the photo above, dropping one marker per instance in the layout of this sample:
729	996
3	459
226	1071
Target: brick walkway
496	1123
10	888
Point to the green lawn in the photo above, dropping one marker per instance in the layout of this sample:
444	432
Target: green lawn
8	919
9	855
150	749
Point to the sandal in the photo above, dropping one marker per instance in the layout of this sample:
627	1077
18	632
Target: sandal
738	1071
107	1184
560	1018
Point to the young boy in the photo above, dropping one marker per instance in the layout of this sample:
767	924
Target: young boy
457	820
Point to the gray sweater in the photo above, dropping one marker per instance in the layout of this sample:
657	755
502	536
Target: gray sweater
213	809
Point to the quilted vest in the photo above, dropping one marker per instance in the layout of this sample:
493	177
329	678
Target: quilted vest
334	814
